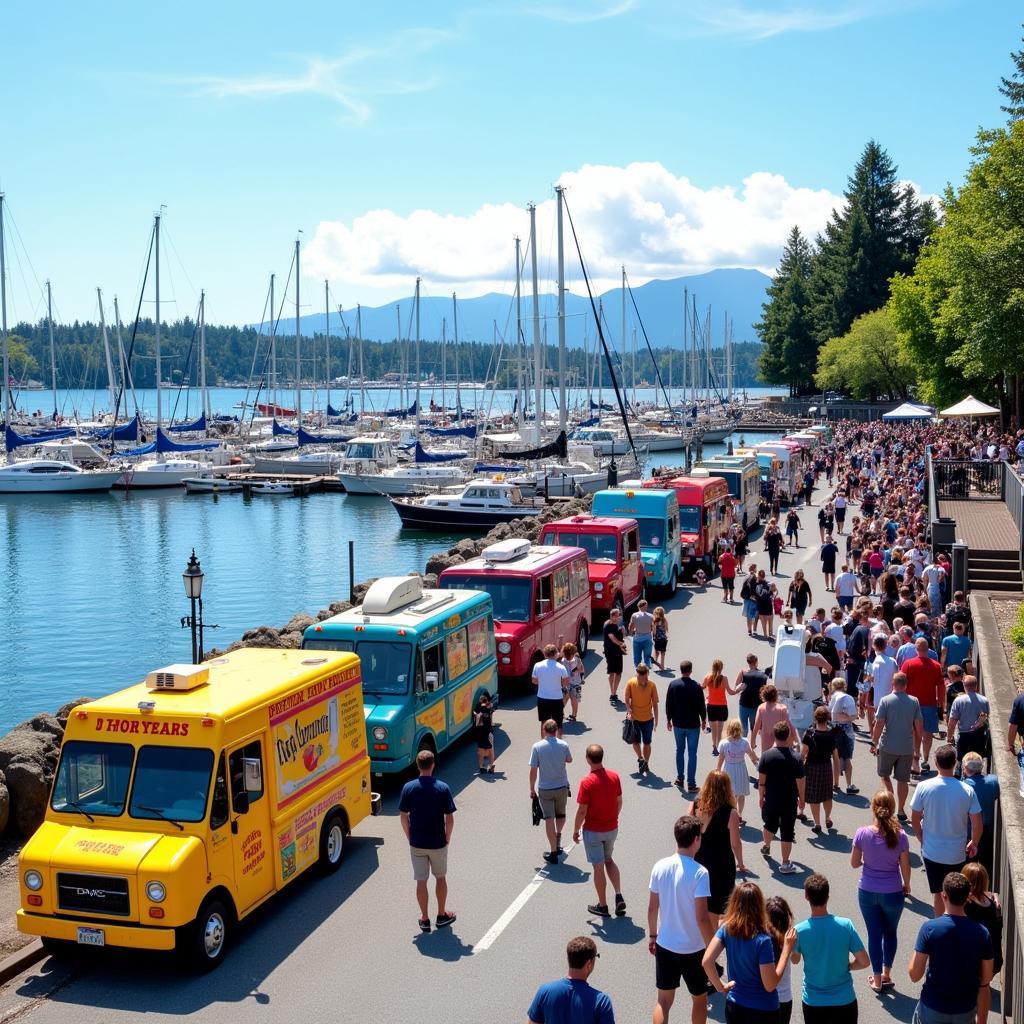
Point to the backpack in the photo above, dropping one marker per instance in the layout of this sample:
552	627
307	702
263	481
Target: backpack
745	590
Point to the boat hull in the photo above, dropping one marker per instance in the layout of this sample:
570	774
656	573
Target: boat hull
60	483
370	484
441	519
211	485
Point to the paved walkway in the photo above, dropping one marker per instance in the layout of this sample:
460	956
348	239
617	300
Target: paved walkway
346	948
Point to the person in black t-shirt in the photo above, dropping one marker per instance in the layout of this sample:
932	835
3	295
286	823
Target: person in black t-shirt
780	783
614	649
748	686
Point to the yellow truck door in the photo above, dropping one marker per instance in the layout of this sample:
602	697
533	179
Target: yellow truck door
250	824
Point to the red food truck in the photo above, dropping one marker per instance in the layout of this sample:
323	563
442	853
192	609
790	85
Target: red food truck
613	558
705	515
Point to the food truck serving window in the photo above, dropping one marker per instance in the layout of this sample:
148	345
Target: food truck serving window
93	778
171	783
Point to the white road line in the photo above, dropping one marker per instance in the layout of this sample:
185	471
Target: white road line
514	907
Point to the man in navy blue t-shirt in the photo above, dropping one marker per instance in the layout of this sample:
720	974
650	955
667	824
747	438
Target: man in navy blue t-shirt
1017	725
571	1000
428	816
954	956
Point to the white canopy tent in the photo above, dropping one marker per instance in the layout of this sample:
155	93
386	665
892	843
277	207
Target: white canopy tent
908	411
970	406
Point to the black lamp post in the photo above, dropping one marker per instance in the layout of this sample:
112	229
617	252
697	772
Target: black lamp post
193	579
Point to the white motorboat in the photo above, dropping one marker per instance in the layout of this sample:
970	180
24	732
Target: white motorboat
369	454
404	480
561	481
52	476
150	473
211	485
602	439
303	464
477	507
277	488
715	431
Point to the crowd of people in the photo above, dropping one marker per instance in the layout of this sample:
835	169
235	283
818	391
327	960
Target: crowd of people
892	644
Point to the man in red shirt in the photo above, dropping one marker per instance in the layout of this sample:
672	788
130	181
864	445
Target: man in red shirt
597	817
924	681
727	567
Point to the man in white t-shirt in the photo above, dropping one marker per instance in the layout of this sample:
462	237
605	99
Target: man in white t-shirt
679	926
834	631
551	678
879	672
846	588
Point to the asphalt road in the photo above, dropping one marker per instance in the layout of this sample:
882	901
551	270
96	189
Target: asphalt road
347	948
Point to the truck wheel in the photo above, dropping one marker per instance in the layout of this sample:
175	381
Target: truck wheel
582	638
673	583
332	843
203	943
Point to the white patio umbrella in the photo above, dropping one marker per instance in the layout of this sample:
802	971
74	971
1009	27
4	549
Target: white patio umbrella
970	406
908	411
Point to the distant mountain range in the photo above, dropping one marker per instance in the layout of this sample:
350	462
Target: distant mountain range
738	292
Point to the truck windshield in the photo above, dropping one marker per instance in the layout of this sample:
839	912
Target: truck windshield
383	664
689	519
93	778
600	547
509	594
171	783
652	533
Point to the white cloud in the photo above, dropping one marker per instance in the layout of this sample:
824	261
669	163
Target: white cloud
576	13
740	20
659	224
329	77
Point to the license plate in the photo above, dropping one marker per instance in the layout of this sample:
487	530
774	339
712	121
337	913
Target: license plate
91	937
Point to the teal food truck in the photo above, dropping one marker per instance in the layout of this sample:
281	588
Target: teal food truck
426	658
657	514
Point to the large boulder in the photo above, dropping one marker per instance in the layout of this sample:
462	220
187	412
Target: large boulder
290	639
438	563
262	636
28	786
64	711
43	723
337	607
466	548
297	623
360	589
501	532
5	804
26	745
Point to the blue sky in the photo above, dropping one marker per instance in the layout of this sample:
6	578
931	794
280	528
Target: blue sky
405	138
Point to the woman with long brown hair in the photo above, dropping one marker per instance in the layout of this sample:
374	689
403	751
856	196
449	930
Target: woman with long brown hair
718	704
721	850
754	974
883	850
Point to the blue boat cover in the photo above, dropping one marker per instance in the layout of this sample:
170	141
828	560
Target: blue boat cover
146	449
279	428
14	440
402	413
592	422
189	428
307	438
166	444
469	431
331	411
494	467
422	455
600	405
126	432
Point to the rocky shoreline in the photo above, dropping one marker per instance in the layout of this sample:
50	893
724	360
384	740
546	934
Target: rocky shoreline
29	752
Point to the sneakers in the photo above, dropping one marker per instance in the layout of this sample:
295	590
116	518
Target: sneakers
924	768
642	766
424	924
679	784
766	850
600	909
902	815
551	858
612	699
444	920
852	790
693	788
620	905
788	868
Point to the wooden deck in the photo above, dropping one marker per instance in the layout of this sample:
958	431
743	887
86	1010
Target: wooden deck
984	524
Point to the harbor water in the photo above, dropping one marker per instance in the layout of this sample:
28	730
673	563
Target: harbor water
92	595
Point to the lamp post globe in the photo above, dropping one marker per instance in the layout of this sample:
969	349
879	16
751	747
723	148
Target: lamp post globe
193	578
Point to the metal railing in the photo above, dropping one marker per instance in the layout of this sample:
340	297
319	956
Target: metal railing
958	478
1013	495
1008	840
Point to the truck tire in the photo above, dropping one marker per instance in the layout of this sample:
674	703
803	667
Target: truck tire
332	843
582	639
204	942
673	583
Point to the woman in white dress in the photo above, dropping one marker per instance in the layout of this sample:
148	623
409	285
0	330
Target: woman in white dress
731	753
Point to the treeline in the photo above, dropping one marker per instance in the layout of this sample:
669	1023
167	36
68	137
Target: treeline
241	353
892	301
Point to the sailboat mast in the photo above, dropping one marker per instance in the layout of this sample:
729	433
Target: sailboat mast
519	339
458	389
159	369
600	368
298	343
111	379
417	356
624	341
444	360
362	376
538	364
126	370
3	319
562	418
203	390
53	351
273	353
327	340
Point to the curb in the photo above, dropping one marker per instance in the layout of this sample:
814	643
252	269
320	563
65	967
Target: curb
20	961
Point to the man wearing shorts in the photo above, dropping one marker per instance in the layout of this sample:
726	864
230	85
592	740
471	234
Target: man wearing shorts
925	682
780	782
678	923
551	678
614	648
549	783
597	821
947	820
427	811
896	732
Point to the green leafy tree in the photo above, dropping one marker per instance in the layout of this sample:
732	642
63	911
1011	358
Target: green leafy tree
1012	88
786	328
870	361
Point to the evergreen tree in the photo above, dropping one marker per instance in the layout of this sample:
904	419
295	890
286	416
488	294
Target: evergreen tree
1013	88
786	328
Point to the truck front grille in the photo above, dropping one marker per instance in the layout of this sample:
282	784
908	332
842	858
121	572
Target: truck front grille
93	894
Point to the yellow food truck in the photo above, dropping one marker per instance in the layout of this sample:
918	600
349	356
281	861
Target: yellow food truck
183	803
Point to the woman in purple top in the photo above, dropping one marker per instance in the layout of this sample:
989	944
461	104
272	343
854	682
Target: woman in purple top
883	849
